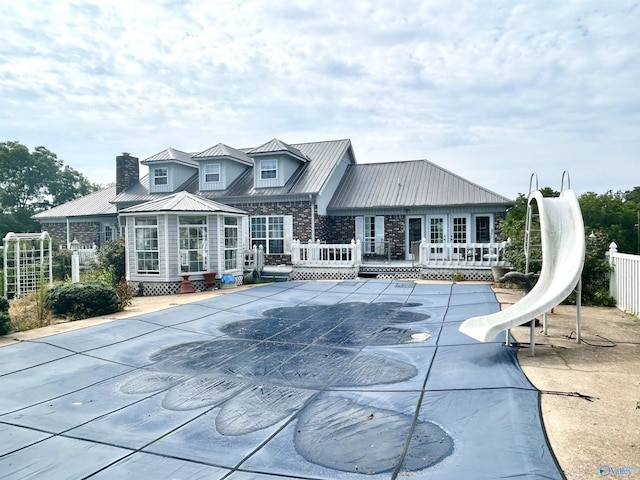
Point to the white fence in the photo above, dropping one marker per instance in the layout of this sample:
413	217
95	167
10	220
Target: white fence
429	255
462	254
326	254
254	259
625	280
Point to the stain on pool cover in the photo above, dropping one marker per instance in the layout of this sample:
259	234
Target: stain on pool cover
279	365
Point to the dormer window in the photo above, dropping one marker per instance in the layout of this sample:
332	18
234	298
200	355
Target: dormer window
268	169
212	172
160	176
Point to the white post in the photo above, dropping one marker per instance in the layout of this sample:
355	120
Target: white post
422	255
75	267
295	252
358	253
613	284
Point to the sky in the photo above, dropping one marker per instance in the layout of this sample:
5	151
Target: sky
491	90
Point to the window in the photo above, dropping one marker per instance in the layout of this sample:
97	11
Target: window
160	176
268	169
230	243
212	173
483	229
268	232
146	245
192	238
459	230
108	233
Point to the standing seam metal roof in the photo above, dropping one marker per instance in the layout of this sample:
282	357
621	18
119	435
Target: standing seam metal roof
96	203
408	184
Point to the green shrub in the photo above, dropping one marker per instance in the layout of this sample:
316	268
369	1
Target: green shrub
125	291
111	258
61	264
4	304
5	323
83	300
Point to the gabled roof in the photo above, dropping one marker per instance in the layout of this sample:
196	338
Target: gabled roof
170	155
181	202
311	177
408	184
224	151
278	146
96	203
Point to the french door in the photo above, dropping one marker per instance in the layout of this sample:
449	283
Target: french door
437	233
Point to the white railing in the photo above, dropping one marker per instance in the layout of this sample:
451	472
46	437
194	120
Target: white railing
624	284
326	254
462	254
254	259
87	255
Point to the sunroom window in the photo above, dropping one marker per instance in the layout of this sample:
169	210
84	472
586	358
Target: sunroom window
230	243
193	249
146	245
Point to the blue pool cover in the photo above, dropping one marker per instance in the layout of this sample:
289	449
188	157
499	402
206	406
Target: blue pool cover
298	380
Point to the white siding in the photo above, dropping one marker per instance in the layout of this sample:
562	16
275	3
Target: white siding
286	167
229	172
178	174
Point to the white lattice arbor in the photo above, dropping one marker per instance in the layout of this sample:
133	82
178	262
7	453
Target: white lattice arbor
27	262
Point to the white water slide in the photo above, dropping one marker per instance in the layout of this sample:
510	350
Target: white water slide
563	249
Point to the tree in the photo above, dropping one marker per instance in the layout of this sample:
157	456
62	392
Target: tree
598	212
69	185
614	214
33	181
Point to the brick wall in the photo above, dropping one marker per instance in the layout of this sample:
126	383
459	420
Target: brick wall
86	233
301	213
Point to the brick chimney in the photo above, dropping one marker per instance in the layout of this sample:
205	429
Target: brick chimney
127	171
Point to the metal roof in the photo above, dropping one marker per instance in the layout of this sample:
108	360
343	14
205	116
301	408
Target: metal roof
278	146
309	178
170	155
181	202
96	203
225	151
407	184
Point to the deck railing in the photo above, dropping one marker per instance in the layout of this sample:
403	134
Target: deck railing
624	284
429	255
254	258
462	254
326	254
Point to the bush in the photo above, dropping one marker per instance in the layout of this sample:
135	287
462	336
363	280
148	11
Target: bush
125	291
29	312
111	258
83	300
4	304
5	323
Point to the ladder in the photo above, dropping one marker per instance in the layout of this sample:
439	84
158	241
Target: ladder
532	232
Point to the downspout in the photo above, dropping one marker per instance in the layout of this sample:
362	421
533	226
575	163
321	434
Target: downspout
68	234
313	217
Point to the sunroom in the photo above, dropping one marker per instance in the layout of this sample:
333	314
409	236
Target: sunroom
182	238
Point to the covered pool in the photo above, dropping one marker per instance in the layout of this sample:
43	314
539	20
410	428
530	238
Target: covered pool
299	380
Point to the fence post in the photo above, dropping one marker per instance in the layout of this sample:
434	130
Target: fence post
357	253
260	260
422	254
613	283
295	252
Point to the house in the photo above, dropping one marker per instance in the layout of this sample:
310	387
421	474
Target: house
276	193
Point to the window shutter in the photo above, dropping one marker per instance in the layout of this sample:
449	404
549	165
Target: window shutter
288	233
360	229
379	226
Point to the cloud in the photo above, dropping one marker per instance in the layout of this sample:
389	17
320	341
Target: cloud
414	80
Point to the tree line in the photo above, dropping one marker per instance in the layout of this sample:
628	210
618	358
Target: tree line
33	181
